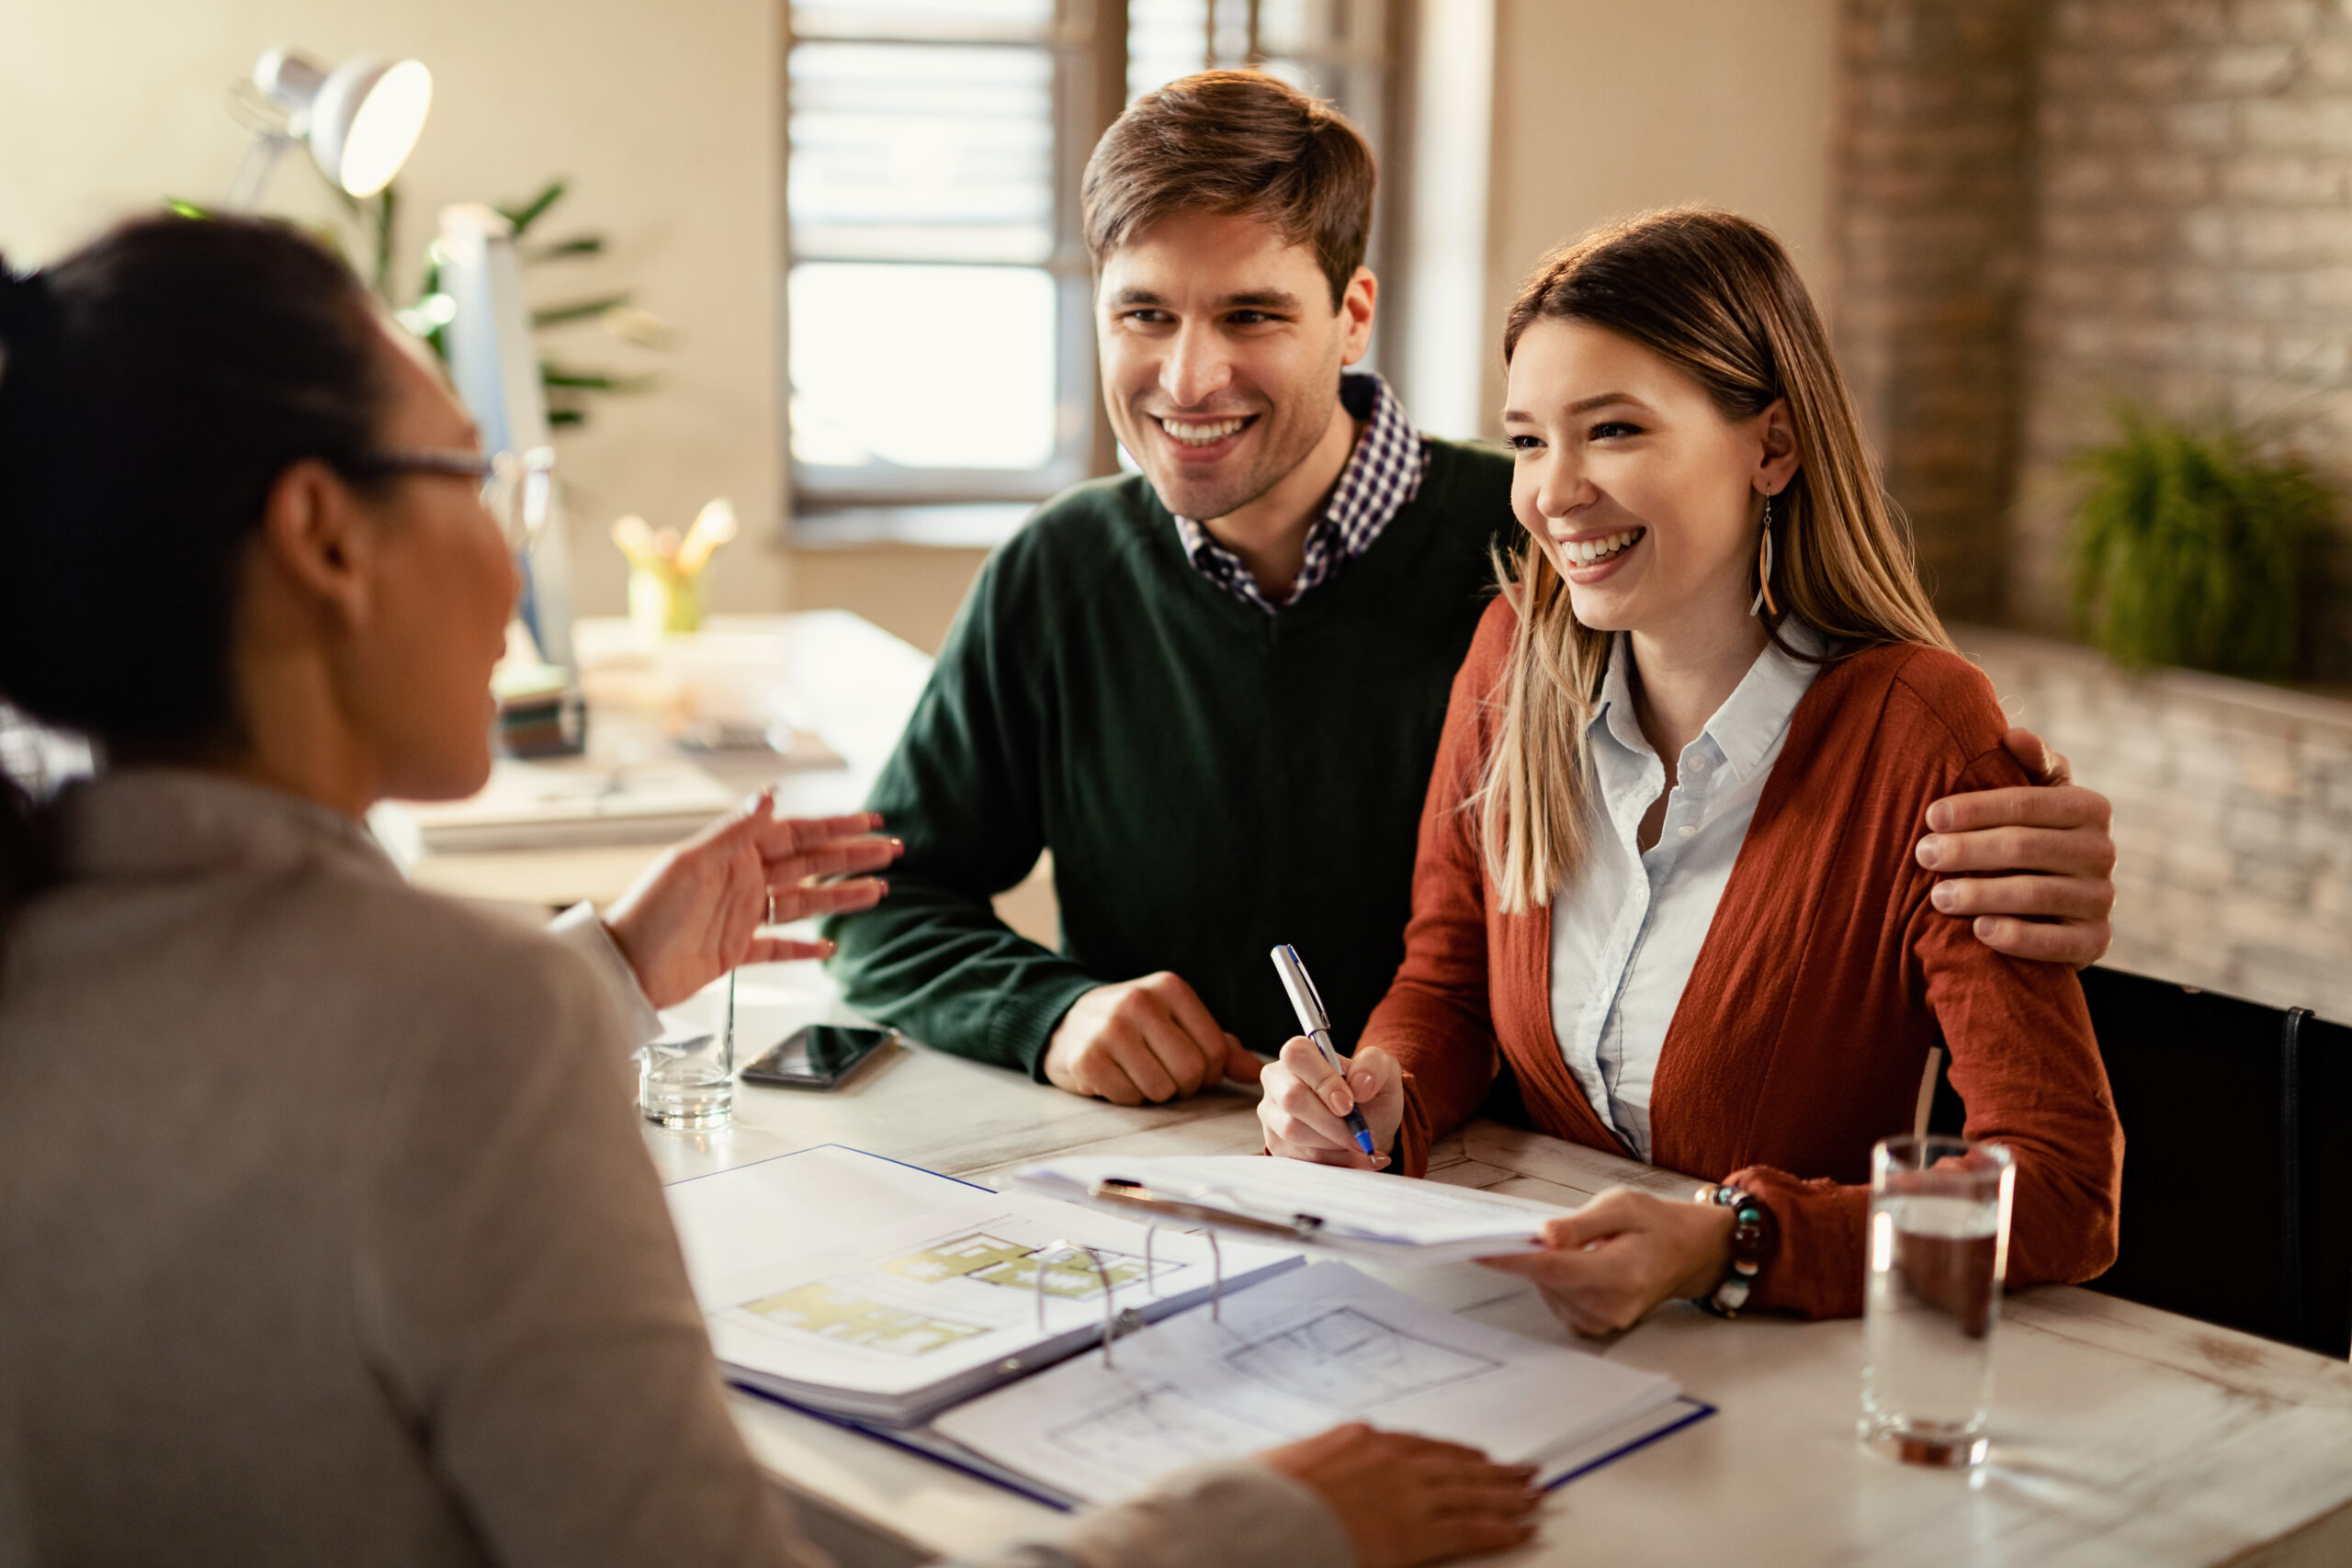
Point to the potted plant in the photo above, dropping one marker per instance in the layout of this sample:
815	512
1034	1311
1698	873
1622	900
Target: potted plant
2191	547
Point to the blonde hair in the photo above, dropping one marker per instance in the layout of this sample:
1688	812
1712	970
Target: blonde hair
1716	297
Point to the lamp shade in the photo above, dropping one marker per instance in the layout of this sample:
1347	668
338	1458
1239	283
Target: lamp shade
361	119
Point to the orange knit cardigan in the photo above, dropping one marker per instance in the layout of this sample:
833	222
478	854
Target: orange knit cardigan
1826	976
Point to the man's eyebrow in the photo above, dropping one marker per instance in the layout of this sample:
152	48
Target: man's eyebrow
1262	298
1248	299
1582	405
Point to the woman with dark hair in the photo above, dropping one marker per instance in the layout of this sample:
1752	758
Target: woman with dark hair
329	1232
1665	876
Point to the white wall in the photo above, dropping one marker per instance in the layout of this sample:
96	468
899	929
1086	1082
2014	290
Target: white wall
666	117
1603	108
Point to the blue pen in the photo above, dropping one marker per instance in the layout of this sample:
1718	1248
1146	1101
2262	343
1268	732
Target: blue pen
1316	1024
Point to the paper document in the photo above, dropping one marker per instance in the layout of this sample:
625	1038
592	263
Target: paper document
1364	1213
541	804
859	1286
1294	1357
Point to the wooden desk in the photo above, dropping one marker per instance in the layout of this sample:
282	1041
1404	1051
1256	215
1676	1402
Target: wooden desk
2122	1435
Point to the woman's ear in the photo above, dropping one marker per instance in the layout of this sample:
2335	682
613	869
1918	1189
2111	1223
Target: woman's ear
316	542
1780	459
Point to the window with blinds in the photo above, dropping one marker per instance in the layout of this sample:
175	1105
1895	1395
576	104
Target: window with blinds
940	338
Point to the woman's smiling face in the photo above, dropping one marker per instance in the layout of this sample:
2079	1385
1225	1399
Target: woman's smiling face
1643	495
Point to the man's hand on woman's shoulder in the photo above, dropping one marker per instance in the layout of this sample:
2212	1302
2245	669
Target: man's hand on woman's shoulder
2029	867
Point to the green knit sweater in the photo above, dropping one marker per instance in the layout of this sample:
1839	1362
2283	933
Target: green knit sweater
1212	780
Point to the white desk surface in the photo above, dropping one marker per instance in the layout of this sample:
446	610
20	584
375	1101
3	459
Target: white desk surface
2123	1434
857	683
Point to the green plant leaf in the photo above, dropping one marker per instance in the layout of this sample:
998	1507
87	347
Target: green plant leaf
554	374
578	310
531	212
561	250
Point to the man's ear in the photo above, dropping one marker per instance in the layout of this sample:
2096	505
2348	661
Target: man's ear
1777	464
1356	304
314	540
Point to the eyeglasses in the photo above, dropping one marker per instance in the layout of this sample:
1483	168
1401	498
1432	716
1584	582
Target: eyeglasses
514	485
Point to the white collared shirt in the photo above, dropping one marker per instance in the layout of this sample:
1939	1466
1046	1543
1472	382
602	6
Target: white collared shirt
1627	927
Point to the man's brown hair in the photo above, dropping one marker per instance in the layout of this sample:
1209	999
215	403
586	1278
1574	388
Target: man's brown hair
1235	144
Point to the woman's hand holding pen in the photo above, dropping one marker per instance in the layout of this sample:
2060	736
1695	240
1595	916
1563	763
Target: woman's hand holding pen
1306	1102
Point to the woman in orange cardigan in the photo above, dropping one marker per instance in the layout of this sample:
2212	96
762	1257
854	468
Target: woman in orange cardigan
1664	869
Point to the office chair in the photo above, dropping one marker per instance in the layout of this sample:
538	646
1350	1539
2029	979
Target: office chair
2235	1122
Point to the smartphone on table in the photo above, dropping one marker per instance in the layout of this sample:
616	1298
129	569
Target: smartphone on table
819	1057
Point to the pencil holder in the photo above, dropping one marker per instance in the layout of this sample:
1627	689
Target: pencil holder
663	602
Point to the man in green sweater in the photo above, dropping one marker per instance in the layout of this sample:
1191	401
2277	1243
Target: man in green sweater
1214	691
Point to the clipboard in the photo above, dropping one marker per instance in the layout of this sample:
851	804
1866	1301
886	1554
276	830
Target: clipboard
1318	1208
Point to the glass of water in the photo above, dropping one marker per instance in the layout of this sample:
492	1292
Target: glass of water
686	1078
1938	1252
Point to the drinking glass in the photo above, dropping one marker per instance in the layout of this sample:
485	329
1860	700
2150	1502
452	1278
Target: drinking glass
686	1078
1938	1252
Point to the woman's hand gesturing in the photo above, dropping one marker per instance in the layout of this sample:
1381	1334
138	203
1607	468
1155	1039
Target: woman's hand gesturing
1306	1105
696	913
1612	1261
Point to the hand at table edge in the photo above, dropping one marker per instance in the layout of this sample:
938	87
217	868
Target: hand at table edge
1406	1500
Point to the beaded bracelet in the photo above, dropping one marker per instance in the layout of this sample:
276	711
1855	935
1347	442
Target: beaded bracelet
1753	1232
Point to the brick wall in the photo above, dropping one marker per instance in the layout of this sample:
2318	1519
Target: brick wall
1931	225
2195	247
2233	816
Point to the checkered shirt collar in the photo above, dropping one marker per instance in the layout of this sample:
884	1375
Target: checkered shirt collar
1384	472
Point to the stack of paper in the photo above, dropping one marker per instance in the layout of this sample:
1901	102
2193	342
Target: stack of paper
1296	1356
865	1287
546	805
1356	1214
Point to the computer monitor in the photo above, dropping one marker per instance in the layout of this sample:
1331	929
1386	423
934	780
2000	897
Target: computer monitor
497	373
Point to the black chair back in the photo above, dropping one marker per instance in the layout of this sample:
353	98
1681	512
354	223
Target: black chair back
2236	1121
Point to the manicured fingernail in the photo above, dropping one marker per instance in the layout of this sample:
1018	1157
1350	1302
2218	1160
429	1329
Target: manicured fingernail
1931	851
1944	895
829	947
897	846
1940	816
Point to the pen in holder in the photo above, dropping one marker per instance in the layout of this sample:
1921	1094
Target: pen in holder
666	568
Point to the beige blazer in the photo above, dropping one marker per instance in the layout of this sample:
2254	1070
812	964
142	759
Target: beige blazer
327	1235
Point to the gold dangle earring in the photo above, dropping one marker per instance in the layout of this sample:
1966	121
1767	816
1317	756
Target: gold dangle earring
1764	565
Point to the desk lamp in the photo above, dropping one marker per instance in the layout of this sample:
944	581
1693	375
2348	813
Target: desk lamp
360	121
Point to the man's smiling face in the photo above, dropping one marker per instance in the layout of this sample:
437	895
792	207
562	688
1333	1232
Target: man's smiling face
1221	357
